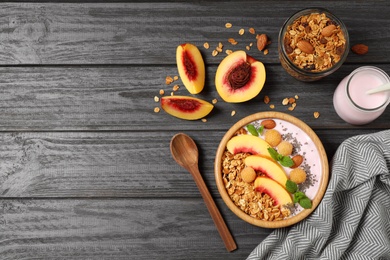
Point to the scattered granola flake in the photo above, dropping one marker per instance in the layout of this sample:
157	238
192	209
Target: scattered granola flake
241	31
168	80
214	53
218	49
247	47
233	113
252	30
251	44
206	45
272	106
232	41
175	78
172	93
291	100
220	45
296	97
156	109
228	52
204	120
162	92
214	101
176	88
266	99
285	101
316	114
228	25
266	51
156	99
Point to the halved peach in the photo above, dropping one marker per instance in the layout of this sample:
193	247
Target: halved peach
191	67
248	144
184	107
239	77
270	168
273	189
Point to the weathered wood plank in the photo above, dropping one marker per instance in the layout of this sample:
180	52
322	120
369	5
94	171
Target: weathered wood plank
121	98
119	229
104	164
148	33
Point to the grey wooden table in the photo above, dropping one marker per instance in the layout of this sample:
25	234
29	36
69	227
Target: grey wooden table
85	167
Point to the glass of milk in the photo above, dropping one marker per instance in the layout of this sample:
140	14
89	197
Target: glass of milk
351	101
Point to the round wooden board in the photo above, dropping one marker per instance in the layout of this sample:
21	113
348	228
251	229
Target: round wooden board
323	180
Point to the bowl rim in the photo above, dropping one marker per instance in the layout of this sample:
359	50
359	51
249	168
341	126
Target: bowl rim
221	186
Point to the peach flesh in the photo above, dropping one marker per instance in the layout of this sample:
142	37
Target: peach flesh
185	105
273	189
268	167
244	149
248	144
189	65
191	68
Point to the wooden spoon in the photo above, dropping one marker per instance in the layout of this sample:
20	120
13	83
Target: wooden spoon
185	153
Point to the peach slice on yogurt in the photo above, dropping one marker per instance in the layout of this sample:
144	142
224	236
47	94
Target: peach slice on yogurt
274	190
248	144
268	167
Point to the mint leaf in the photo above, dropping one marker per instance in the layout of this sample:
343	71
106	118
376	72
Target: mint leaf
298	196
305	203
274	154
260	130
291	186
286	161
252	130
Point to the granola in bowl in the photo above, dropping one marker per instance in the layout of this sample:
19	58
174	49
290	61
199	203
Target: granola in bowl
243	194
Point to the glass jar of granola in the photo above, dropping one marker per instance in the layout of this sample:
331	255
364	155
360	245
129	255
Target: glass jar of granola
313	43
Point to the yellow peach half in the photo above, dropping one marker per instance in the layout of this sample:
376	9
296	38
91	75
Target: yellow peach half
274	190
191	67
184	107
248	144
270	168
239	77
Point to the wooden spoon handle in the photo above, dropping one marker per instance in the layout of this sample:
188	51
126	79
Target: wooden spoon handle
223	230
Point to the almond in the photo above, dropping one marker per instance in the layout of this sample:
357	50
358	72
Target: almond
268	123
360	49
305	46
328	30
297	159
262	40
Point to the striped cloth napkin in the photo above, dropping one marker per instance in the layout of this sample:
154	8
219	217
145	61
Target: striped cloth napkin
353	219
